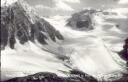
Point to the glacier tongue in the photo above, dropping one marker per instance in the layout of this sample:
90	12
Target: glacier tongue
94	51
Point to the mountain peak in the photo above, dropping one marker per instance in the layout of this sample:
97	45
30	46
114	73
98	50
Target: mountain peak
18	21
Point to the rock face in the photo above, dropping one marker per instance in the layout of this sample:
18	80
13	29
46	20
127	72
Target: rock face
124	78
124	52
86	77
18	22
76	76
81	20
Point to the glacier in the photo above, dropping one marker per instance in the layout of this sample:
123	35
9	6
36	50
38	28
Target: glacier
94	52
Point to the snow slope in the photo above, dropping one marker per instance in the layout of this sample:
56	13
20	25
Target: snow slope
95	51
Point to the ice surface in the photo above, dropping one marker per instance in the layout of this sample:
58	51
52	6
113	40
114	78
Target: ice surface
94	51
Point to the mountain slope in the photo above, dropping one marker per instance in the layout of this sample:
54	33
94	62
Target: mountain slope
18	22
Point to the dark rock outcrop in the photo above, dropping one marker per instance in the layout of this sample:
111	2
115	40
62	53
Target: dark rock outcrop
76	76
18	22
81	20
84	76
124	53
124	78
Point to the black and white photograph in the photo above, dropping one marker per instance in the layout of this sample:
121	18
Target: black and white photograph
64	41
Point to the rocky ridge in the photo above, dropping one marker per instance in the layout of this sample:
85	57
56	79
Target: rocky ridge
19	22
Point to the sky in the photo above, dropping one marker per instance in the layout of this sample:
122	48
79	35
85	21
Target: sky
62	7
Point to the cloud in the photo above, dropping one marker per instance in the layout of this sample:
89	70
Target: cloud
61	5
123	11
44	10
58	6
123	2
71	1
42	7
